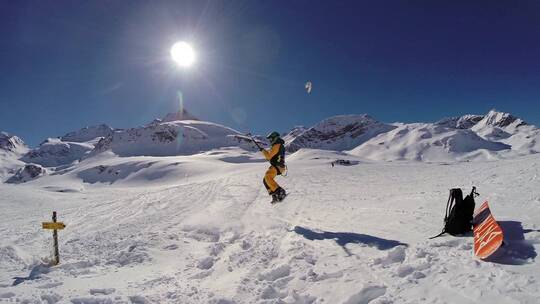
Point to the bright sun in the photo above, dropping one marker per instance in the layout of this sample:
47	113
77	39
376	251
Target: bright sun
183	54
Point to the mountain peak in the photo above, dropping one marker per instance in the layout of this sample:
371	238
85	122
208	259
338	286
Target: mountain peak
501	119
12	143
179	115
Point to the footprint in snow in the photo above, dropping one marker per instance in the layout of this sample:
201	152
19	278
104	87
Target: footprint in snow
366	295
275	273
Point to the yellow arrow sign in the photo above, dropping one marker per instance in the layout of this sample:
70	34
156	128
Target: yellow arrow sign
53	225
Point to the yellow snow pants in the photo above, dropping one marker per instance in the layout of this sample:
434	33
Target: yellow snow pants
269	181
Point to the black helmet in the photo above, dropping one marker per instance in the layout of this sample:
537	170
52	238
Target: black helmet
273	136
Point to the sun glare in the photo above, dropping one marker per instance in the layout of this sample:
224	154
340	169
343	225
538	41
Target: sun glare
183	54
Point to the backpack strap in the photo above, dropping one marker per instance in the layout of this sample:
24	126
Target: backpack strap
449	204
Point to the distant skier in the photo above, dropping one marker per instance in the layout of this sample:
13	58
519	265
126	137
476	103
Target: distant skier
276	156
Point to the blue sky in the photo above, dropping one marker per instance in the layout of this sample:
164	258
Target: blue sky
70	64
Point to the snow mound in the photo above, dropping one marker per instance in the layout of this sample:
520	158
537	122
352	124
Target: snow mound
343	132
27	173
54	152
88	133
425	142
184	137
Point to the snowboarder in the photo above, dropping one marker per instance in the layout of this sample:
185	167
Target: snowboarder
276	156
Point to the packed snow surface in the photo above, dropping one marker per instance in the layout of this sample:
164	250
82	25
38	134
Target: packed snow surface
200	229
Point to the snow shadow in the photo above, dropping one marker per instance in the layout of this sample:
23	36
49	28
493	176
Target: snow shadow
515	250
344	238
35	273
242	159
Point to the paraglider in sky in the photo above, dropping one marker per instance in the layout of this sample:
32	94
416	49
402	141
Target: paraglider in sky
308	87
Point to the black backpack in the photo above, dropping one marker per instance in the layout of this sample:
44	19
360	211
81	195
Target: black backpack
459	212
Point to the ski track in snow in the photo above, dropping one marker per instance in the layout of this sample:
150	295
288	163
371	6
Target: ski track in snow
349	235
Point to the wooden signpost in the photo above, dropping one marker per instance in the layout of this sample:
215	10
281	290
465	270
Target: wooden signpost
55	226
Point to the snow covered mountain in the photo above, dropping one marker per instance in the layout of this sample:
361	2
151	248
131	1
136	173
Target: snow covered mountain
65	150
88	133
427	142
27	173
337	133
11	149
506	128
54	152
467	137
180	137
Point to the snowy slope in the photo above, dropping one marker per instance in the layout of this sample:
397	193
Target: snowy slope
11	149
182	137
337	133
200	229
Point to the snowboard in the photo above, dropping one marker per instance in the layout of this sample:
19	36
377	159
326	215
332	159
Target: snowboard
488	235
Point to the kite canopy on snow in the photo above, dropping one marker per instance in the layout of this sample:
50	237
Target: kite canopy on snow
308	87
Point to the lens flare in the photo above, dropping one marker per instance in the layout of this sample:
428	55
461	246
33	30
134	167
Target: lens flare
183	54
